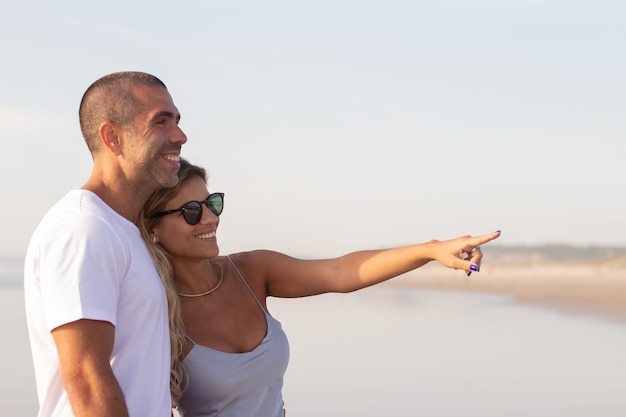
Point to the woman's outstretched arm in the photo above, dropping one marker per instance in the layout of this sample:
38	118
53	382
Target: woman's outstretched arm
285	276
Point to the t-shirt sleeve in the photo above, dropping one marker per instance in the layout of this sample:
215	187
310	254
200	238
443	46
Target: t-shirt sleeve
81	271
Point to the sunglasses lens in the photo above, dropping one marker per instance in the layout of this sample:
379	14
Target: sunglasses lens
192	212
215	203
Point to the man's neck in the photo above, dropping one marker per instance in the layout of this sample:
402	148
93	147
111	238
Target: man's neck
122	198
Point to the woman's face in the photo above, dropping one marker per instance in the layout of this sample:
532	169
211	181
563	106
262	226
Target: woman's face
182	240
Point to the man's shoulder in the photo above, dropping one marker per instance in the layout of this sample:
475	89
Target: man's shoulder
82	215
81	206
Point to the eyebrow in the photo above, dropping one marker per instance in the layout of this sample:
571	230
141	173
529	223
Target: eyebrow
166	113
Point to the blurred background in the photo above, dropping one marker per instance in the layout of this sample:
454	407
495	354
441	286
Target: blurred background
334	126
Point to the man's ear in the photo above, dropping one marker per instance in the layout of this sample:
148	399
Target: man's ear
109	134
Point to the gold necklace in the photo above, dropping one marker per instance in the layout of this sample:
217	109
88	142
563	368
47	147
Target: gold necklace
211	289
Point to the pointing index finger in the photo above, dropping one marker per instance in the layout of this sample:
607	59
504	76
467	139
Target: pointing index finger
480	240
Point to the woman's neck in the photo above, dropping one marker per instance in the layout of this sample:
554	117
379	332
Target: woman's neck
195	277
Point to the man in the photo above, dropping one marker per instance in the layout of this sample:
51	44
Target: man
96	308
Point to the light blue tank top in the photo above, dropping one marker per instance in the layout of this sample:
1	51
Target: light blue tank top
238	384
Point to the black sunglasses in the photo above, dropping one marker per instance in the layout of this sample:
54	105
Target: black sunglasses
192	211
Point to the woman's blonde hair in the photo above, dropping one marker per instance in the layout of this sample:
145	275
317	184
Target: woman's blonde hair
156	203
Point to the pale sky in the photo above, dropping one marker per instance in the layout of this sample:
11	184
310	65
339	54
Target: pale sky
340	125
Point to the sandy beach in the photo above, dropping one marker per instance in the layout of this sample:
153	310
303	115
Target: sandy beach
597	287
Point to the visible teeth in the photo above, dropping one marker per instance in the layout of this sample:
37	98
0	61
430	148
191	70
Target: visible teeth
175	158
205	236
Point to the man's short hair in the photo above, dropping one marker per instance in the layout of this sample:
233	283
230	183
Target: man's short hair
112	99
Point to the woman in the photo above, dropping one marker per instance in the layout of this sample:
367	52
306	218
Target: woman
232	354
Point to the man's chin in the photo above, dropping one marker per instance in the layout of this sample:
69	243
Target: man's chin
169	182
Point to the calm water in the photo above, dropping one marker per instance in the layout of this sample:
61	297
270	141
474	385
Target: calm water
394	351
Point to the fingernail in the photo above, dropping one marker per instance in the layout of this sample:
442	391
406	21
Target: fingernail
498	231
474	267
469	273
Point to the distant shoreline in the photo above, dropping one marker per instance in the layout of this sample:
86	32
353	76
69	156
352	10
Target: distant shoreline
589	288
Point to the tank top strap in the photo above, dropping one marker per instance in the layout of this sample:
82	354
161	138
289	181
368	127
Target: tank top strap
193	342
246	283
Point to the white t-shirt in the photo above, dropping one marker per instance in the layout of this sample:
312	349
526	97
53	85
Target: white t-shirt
85	261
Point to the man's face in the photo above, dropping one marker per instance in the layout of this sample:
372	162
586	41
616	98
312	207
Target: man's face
152	145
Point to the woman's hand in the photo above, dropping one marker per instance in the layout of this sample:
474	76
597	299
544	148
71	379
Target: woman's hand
461	253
